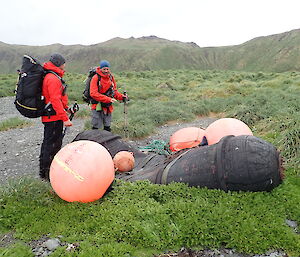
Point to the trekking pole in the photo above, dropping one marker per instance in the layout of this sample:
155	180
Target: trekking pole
125	115
74	108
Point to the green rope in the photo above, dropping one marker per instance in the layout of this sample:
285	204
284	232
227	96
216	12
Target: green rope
157	146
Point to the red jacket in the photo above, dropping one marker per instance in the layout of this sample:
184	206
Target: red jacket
105	83
53	92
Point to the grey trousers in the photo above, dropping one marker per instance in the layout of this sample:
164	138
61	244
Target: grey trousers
99	119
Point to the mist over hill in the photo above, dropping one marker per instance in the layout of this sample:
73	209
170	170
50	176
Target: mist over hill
278	53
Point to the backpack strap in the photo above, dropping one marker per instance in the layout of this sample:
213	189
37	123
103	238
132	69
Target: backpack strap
64	85
99	79
111	79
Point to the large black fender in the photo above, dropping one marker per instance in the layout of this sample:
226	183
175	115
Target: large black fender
236	163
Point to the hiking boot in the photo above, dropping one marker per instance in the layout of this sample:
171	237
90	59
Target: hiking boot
107	128
44	175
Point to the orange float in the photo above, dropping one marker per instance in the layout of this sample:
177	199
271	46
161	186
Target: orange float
124	161
82	171
186	138
225	127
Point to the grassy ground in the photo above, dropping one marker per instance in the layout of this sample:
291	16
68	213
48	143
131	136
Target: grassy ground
140	219
14	122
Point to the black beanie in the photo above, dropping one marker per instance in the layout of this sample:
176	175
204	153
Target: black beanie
57	59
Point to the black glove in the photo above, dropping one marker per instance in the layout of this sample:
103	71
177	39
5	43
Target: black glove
125	99
74	108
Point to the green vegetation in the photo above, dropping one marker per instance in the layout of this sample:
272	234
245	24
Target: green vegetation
137	216
12	123
7	84
140	219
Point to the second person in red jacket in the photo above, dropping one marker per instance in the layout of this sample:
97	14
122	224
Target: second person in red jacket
103	88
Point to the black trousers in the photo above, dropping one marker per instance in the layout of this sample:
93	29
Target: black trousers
52	143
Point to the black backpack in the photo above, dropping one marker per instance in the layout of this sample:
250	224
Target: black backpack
29	100
86	93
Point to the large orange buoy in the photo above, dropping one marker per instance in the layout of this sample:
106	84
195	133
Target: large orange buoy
82	171
225	127
186	138
124	161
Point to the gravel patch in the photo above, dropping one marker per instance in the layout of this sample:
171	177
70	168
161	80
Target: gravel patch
164	132
20	148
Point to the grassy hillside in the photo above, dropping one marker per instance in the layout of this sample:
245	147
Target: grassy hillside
276	53
124	54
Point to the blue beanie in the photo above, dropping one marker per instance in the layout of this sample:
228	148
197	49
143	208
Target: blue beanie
104	63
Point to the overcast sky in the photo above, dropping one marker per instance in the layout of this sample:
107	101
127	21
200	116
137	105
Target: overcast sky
205	22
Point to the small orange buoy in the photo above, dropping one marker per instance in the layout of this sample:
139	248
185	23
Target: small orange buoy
225	127
124	161
81	171
186	138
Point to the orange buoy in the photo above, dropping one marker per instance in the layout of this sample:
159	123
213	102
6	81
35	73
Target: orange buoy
81	171
186	138
225	127
124	161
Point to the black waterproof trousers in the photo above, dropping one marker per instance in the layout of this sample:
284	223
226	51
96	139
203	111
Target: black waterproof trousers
53	135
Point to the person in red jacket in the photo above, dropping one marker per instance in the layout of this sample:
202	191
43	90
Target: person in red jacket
54	92
103	88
